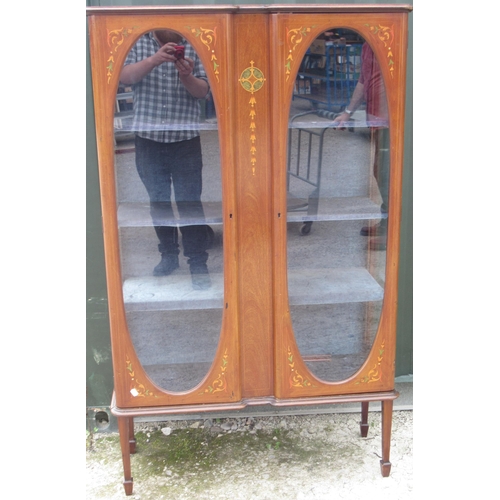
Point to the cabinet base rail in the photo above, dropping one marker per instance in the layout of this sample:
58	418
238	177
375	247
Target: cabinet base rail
125	417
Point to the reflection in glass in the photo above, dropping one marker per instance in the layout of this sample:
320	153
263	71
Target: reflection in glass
169	209
337	184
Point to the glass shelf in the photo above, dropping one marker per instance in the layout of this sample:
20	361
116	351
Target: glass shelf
308	286
332	209
138	215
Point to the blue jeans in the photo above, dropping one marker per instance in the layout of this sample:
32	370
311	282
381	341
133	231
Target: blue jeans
177	165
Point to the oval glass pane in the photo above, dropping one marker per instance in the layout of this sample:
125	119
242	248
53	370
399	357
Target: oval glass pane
169	191
337	185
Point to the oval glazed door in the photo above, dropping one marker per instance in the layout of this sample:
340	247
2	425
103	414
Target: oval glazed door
163	170
339	235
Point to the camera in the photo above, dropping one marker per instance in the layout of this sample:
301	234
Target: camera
179	52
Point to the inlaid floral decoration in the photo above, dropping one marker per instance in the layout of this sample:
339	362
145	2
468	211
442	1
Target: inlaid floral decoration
220	383
252	80
385	34
294	37
296	379
137	388
208	37
375	373
115	40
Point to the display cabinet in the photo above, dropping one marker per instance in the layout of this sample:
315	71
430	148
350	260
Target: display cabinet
285	316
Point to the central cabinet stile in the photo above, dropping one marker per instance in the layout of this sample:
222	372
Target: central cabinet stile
252	142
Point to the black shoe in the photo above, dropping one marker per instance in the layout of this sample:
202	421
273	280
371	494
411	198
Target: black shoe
200	277
378	243
168	264
375	230
210	238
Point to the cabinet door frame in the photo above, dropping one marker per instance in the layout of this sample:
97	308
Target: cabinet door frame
292	34
112	35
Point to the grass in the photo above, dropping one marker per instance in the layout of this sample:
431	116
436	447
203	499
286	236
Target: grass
201	450
199	460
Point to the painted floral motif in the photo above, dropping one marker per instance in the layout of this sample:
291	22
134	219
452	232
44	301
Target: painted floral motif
375	374
137	389
115	40
220	383
208	37
294	37
252	79
296	379
385	34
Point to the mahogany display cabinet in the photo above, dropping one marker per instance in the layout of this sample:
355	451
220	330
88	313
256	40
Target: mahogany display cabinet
304	212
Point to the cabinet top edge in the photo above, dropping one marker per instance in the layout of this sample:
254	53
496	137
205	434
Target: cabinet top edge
286	8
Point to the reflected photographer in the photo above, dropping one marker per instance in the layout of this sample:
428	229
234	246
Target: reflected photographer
370	89
168	82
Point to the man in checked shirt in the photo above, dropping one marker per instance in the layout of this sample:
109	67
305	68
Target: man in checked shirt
167	90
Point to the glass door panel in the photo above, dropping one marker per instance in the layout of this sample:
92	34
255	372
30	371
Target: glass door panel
167	164
337	185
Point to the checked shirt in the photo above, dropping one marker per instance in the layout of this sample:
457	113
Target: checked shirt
164	111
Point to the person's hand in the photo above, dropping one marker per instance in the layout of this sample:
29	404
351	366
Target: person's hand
133	73
342	121
184	66
164	54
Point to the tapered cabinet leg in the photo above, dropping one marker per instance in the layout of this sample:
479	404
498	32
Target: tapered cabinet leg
124	425
385	464
364	419
131	435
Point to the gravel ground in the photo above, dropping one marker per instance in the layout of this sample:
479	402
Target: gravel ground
259	458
